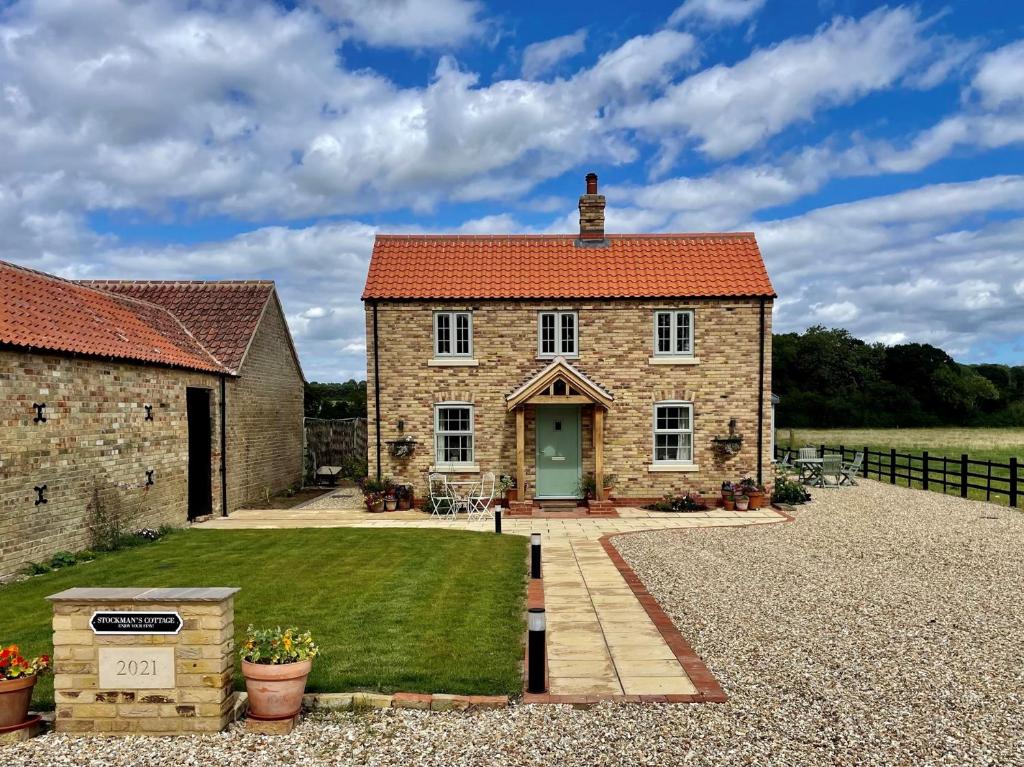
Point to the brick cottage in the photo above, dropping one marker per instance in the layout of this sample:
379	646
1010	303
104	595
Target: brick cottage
133	400
553	357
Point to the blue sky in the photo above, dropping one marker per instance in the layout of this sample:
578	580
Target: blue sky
877	151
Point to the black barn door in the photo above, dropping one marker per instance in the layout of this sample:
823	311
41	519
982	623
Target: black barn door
200	459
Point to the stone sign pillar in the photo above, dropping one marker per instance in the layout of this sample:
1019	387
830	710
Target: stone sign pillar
143	661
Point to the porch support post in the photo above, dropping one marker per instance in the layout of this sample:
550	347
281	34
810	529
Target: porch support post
521	451
599	452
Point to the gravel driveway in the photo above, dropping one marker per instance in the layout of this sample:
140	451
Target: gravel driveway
885	626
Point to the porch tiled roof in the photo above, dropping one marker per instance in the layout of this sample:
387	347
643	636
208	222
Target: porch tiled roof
40	311
574	374
221	314
554	266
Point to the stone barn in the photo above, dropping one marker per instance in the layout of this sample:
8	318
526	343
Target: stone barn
138	404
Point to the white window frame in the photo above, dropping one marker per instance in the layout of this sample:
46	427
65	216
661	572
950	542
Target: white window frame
453	338
655	431
674	333
558	352
439	435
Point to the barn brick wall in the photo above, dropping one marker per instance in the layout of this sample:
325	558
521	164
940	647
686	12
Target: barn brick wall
265	410
94	443
615	344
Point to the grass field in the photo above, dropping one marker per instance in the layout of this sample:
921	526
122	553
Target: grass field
392	610
997	445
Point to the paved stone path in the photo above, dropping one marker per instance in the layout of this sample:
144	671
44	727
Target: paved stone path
601	640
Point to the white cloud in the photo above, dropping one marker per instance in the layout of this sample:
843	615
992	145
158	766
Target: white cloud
715	12
917	265
248	113
541	58
408	23
1000	76
730	109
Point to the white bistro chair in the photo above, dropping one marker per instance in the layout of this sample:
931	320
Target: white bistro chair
480	501
442	503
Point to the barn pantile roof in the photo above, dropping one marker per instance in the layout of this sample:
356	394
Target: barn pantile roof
557	266
41	311
221	314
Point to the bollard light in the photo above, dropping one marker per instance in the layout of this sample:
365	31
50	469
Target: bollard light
536	623
497	520
535	555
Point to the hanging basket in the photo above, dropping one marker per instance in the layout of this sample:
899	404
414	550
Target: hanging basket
402	448
726	446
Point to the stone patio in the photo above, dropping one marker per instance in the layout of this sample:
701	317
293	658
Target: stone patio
602	642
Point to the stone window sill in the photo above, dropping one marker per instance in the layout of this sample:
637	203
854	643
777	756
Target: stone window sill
655	467
453	362
673	360
456	468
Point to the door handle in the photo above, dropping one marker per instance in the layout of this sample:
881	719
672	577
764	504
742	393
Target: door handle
558	458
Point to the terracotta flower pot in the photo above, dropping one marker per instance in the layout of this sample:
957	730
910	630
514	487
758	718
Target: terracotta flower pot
376	507
728	504
511	495
275	691
756	500
15	695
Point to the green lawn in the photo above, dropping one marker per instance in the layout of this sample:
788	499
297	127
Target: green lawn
981	444
393	610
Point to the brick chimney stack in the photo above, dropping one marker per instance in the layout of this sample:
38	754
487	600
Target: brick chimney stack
591	211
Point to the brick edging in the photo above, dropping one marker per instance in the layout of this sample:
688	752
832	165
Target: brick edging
708	688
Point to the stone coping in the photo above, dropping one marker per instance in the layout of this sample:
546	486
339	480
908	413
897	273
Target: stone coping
144	595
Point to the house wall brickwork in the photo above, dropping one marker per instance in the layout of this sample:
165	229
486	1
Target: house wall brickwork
265	410
94	444
615	344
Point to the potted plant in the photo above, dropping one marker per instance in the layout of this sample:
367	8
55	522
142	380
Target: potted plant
18	676
587	487
391	500
728	495
275	665
374	492
508	487
375	503
753	491
742	502
609	485
404	494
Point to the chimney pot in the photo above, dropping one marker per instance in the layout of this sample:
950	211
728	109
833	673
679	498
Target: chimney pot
592	211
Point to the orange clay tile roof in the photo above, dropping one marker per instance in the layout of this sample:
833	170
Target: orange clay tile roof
222	315
553	266
40	311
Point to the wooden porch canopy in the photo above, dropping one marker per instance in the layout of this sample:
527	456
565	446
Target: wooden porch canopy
559	383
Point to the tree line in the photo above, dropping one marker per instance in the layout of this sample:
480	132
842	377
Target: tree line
336	400
828	378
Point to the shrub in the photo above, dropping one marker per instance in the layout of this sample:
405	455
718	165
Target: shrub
684	503
62	559
789	491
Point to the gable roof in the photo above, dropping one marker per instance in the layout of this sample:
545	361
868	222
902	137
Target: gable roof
559	367
41	311
555	266
222	315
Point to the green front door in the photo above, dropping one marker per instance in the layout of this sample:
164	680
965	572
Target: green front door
558	451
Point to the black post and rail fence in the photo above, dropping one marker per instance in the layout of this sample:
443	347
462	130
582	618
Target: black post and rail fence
996	481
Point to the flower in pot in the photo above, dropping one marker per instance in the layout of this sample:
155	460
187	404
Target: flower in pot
728	495
742	502
753	491
391	501
404	494
275	665
375	502
508	487
18	676
374	492
609	485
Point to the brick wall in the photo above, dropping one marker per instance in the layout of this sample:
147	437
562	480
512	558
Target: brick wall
265	408
615	343
95	441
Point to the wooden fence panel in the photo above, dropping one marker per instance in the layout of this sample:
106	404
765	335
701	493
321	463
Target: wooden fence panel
332	442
